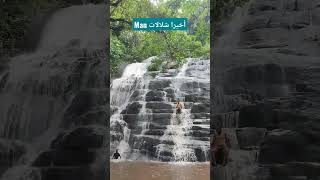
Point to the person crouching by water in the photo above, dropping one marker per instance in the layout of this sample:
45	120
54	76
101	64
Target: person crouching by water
220	144
116	155
179	107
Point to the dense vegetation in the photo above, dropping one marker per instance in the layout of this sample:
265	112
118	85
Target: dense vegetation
128	46
171	47
221	9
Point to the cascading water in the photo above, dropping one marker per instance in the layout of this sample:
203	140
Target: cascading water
120	94
192	72
40	87
145	125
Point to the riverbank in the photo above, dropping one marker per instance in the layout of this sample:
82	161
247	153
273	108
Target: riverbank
142	170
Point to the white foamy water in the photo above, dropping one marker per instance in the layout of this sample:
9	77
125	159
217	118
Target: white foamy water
156	132
41	85
86	26
120	93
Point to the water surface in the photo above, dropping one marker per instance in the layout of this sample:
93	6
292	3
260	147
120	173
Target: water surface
140	170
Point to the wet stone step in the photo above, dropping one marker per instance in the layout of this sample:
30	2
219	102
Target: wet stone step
155	95
154	132
156	126
162	110
158	105
147	143
197	98
196	127
159	84
198	134
162	118
159	118
201	121
200	108
206	139
200	115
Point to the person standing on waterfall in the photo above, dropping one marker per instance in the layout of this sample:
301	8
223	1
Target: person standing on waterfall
179	107
220	144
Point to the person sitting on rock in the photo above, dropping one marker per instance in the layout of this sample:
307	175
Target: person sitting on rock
220	144
116	155
179	107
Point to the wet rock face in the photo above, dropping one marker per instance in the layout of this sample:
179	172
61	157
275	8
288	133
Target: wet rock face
268	71
155	131
282	146
250	137
263	80
295	169
147	144
10	152
159	84
70	152
81	138
158	105
200	108
83	102
132	108
155	96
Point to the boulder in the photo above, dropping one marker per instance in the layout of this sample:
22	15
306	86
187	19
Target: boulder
132	108
136	95
155	95
131	120
144	143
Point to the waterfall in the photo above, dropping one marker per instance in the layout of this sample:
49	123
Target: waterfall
36	81
145	125
40	87
120	93
180	125
231	35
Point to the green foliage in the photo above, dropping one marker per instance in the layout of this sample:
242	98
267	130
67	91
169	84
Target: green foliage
223	8
171	46
16	15
117	54
156	65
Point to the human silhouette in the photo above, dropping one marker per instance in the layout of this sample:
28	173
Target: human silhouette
116	155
